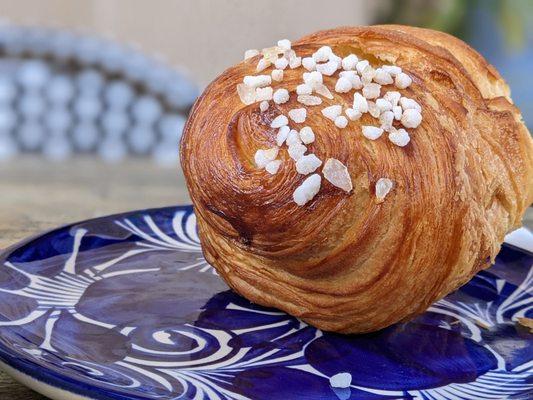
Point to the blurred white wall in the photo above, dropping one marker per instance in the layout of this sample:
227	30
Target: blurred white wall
204	36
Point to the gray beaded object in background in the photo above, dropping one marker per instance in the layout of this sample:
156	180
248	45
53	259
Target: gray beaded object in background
63	94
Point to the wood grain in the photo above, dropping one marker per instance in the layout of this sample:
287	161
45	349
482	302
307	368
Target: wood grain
37	196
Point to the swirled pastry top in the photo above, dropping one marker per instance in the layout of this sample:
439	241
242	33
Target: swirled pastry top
390	110
358	174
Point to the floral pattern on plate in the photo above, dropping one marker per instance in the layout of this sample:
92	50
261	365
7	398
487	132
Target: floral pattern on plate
126	307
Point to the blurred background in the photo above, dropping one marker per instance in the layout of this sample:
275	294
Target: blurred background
94	94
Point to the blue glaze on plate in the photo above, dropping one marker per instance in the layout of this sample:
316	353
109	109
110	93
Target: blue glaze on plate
125	307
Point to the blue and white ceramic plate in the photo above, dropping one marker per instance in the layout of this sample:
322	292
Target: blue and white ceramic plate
125	307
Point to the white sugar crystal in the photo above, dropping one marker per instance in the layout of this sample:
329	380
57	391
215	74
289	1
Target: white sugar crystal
250	53
257	80
383	105
307	190
386	119
295	62
323	90
408	103
309	63
371	132
282	135
371	90
273	166
277	75
368	74
293	138
349	62
353	115
411	118
337	174
296	151
360	103
361	65
348	74
343	85
270	54
307	135
263	64
246	93
262	94
322	54
304	88
399	137
272	153
263	106
392	69
279	121
383	77
307	164
341	381
328	68
298	115
308	100
402	80
335	59
373	109
289	54
281	63
263	157
383	187
281	96
354	79
356	82
392	97
313	78
341	122
397	110
284	44
332	112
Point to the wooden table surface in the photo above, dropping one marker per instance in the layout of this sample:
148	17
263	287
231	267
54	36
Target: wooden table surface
38	195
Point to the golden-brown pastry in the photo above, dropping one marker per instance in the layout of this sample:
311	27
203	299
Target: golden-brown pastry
357	259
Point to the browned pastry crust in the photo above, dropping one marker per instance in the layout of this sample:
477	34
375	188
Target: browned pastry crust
344	262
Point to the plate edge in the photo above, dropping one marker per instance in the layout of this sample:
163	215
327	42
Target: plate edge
39	386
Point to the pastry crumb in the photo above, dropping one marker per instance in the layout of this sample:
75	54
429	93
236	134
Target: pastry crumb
342	380
526	323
